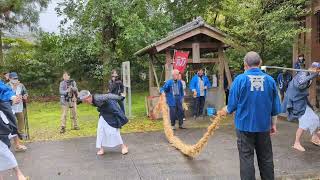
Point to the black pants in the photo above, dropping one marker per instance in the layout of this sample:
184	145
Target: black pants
261	143
282	94
198	104
176	113
227	95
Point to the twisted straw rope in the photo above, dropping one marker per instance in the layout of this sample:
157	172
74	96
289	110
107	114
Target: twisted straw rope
187	149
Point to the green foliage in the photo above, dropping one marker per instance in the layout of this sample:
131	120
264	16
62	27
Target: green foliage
268	27
183	11
104	33
119	28
21	13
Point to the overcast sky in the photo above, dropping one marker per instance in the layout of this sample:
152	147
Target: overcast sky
49	20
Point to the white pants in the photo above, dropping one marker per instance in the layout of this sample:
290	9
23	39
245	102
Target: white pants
7	159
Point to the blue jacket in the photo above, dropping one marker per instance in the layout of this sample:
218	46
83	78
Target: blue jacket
6	92
296	99
194	84
254	97
168	89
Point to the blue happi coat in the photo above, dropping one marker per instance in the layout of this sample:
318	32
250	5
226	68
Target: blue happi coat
195	85
7	119
6	92
255	99
168	89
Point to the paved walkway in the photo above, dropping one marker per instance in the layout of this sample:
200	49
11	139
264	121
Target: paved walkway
151	157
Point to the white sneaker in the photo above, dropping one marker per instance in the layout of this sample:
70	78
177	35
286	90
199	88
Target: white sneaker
173	127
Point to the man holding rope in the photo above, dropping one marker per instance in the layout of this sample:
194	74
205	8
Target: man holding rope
173	90
254	97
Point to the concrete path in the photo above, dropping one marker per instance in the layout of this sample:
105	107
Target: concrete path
151	157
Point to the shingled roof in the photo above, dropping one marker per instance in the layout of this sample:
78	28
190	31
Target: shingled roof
197	23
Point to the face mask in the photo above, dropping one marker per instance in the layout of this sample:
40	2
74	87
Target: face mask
14	81
300	58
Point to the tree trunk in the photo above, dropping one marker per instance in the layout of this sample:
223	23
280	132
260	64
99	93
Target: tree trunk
1	51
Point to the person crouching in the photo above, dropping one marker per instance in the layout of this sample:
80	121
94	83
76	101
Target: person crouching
173	90
111	119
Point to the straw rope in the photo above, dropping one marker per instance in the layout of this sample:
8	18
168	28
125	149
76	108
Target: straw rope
187	149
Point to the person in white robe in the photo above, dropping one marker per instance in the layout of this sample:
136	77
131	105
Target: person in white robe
111	119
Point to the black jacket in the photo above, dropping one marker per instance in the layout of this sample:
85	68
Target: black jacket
116	87
9	127
110	110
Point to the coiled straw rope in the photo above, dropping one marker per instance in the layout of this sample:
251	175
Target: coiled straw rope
187	149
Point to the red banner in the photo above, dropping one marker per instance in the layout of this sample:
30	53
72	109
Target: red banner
180	60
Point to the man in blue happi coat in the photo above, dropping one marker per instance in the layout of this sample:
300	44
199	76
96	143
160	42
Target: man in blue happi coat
199	85
254	99
173	90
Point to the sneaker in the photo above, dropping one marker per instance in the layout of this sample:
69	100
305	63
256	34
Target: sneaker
195	117
62	130
181	127
184	119
173	127
24	136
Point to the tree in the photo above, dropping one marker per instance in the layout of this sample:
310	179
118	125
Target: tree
266	26
15	13
121	27
183	11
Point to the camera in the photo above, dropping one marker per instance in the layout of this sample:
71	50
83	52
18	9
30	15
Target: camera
72	93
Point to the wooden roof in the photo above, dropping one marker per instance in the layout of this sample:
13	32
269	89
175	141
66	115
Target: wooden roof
198	26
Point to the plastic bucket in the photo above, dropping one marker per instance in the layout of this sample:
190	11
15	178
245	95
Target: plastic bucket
211	111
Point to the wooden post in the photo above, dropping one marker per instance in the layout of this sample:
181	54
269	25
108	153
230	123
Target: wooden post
168	65
195	53
312	89
1	51
227	70
155	73
151	82
295	51
221	67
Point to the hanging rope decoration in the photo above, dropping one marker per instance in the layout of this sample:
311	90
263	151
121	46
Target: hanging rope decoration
187	149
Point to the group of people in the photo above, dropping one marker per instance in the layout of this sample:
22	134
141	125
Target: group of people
12	96
110	106
254	98
294	94
175	90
